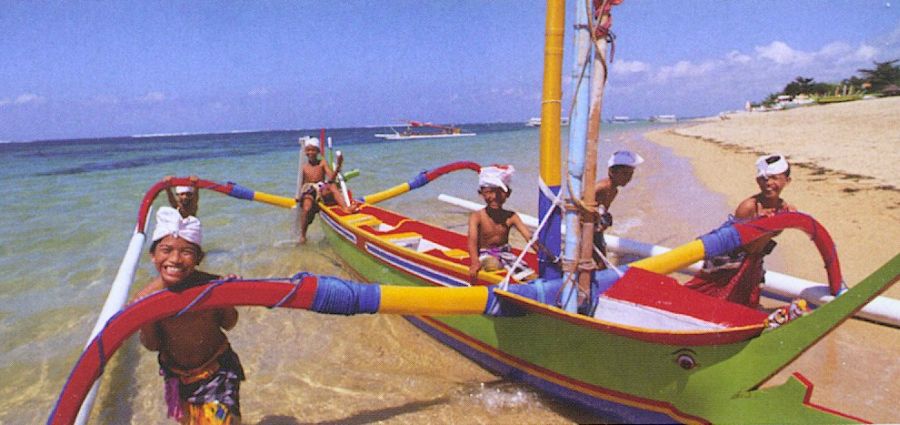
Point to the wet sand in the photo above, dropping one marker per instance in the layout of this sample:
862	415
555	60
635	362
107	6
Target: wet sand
844	173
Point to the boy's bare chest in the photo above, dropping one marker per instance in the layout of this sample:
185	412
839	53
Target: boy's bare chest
313	173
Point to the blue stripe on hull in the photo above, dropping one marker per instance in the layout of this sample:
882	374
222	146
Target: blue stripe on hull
609	410
337	228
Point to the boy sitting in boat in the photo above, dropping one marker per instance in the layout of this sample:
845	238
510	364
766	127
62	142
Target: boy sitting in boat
488	238
621	166
739	276
186	199
318	181
202	374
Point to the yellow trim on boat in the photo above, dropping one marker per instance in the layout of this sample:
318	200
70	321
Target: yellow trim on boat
278	201
387	193
673	260
433	301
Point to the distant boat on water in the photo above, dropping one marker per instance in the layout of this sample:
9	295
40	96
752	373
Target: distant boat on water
621	119
424	130
536	122
663	118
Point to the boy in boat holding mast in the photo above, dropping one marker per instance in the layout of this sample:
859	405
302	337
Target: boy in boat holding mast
621	169
739	275
186	199
318	181
202	374
488	237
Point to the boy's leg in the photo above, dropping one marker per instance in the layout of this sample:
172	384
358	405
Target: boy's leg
305	206
339	198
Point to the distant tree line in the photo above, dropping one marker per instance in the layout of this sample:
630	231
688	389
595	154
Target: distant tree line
872	81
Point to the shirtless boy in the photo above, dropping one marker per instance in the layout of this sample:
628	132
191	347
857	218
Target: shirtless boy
186	199
318	180
488	239
738	276
202	374
621	169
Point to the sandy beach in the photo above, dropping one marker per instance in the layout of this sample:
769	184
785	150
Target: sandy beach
845	174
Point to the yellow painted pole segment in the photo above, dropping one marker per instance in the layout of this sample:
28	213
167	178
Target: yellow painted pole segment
278	201
386	194
552	95
433	301
673	260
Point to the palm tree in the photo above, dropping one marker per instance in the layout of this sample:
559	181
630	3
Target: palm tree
884	74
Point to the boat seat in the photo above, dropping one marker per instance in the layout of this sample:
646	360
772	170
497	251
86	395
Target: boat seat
361	220
405	239
456	253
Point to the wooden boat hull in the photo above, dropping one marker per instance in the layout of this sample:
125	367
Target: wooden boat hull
628	375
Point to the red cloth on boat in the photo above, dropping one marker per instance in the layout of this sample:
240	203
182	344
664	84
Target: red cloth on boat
740	285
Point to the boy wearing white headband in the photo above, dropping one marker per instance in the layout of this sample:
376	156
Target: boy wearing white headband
620	170
738	276
202	374
488	238
186	199
317	181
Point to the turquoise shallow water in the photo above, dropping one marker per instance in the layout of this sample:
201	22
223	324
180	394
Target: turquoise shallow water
70	208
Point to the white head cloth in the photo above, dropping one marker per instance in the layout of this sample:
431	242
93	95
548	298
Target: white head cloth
496	176
169	222
770	165
183	189
307	141
628	158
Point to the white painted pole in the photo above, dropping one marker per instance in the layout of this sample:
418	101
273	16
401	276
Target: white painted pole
118	295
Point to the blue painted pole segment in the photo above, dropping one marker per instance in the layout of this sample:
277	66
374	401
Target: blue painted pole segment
241	192
549	236
577	140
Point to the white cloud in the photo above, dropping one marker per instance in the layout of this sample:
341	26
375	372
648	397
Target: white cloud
735	56
152	97
28	98
104	99
260	91
782	54
683	69
865	52
622	67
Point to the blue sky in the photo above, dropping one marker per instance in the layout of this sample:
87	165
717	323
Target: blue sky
96	69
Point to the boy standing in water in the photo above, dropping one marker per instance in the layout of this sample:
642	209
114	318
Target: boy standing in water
202	374
317	180
488	238
738	276
621	169
186	198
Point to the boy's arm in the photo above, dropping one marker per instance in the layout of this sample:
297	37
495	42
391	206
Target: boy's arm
517	222
194	180
472	245
330	174
173	201
746	209
228	317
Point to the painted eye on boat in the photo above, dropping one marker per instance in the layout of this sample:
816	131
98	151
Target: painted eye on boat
686	361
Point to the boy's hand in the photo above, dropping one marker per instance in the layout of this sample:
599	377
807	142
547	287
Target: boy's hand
167	180
194	179
473	271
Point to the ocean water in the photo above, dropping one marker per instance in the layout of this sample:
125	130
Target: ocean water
70	208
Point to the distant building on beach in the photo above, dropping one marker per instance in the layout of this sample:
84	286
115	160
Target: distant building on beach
663	118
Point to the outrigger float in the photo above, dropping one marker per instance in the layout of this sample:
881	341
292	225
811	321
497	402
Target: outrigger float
651	351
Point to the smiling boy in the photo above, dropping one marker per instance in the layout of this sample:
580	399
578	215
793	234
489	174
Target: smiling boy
488	237
202	373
